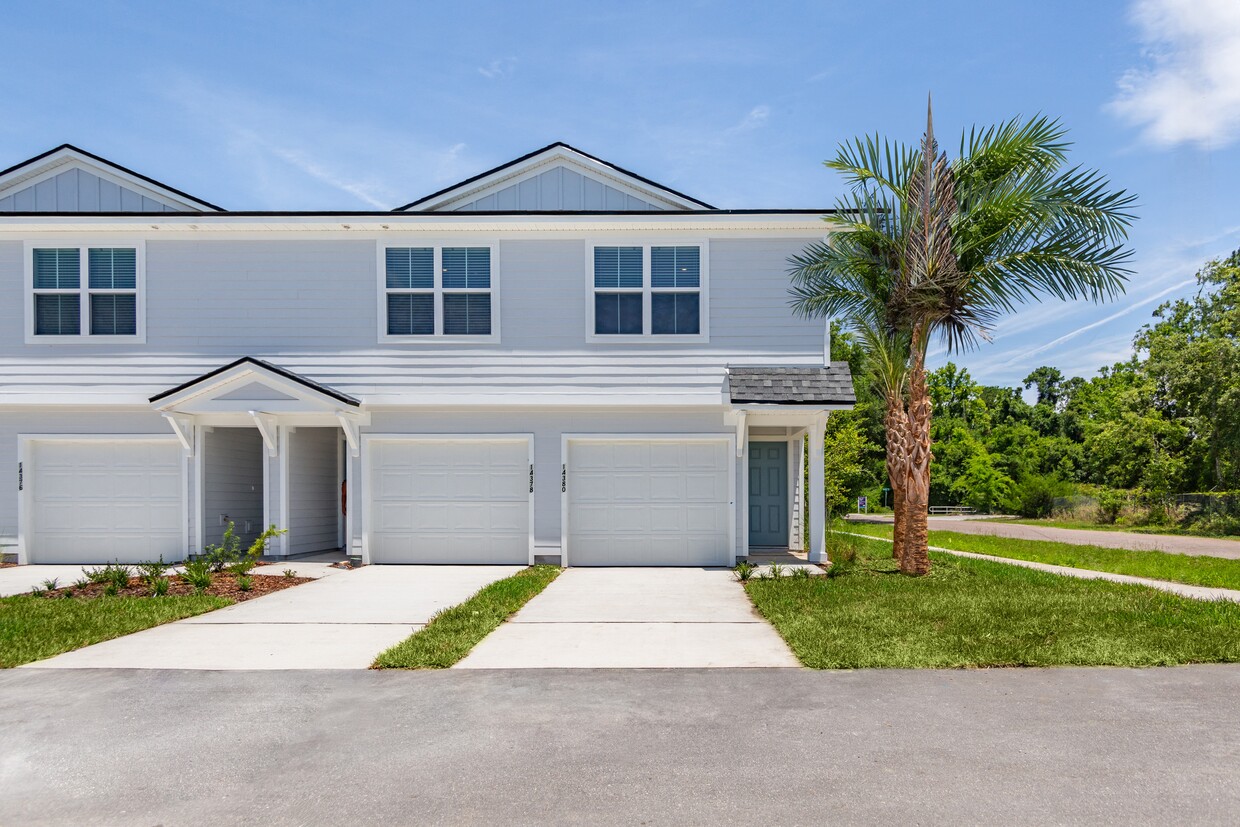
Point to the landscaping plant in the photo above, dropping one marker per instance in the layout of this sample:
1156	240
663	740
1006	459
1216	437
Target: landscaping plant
197	573
928	247
744	570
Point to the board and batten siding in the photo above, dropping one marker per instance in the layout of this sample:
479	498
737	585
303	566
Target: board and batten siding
559	188
311	306
232	484
314	490
76	190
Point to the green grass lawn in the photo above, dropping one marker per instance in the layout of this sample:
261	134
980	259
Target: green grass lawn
33	628
1158	565
452	633
1085	525
974	613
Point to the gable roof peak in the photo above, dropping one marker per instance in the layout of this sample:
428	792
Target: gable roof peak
623	190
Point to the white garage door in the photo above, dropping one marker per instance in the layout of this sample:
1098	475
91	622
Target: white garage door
449	500
95	501
649	502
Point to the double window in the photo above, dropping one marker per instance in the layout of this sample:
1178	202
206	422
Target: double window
84	292
647	290
437	291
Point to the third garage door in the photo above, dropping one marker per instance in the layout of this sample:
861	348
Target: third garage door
446	500
649	502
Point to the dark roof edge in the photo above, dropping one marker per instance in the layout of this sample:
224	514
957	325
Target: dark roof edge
798	403
390	213
530	155
114	165
287	374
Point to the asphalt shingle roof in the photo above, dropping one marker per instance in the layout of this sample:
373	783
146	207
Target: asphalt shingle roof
830	385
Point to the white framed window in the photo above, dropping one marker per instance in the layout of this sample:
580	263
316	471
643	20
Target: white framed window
437	292
647	291
85	292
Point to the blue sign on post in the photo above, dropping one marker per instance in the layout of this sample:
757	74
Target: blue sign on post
863	503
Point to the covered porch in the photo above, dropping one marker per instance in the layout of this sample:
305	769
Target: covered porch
264	447
780	416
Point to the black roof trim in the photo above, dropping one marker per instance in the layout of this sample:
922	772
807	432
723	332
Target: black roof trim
112	164
389	214
530	155
293	377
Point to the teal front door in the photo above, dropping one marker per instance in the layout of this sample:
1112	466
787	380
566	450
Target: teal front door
768	494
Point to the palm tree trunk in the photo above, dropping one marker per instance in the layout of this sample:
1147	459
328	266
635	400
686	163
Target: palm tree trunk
895	424
916	554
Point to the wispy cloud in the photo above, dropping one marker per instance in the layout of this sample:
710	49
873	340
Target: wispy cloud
1189	91
1026	355
754	119
369	192
496	69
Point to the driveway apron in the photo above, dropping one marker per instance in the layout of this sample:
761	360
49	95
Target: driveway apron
635	618
341	621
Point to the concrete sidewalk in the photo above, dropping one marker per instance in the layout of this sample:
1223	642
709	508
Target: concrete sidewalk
635	618
1169	543
341	621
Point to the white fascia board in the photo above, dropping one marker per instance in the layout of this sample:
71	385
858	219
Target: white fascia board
201	396
156	226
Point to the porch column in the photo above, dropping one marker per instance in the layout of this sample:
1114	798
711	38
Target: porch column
817	492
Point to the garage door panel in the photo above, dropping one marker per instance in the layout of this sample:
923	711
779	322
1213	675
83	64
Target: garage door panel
649	502
449	501
94	501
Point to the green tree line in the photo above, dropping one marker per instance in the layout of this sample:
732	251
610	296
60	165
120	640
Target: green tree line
1131	439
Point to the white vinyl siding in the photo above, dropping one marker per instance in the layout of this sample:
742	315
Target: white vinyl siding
84	293
655	292
443	292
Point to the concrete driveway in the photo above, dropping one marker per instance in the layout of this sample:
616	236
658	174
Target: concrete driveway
635	618
340	621
20	579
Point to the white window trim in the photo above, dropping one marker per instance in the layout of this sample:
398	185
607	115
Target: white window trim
438	337
83	290
703	291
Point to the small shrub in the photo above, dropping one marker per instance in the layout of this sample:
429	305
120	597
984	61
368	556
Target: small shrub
245	582
290	574
775	572
198	574
97	575
152	571
744	570
81	583
51	585
111	590
1110	503
114	574
800	573
226	553
36	591
159	586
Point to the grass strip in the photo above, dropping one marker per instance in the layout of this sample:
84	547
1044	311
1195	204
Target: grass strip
33	628
975	613
1192	570
452	633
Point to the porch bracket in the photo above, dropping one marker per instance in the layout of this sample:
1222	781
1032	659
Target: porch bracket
349	426
266	424
183	427
742	434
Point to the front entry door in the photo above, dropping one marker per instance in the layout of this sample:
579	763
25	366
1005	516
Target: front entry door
768	494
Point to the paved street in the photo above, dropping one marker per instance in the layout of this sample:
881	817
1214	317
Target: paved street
1010	746
1172	544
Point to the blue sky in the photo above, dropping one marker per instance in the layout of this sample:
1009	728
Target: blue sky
359	105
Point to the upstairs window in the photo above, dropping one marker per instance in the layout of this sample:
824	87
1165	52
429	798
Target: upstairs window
649	290
437	292
80	293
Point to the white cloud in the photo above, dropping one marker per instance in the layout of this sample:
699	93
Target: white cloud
1190	90
754	119
496	69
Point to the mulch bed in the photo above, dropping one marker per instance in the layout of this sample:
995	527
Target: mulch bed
223	584
7	565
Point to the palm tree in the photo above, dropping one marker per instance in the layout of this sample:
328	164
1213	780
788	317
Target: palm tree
927	248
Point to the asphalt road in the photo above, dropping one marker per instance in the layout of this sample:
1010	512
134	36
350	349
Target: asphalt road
1170	543
681	747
